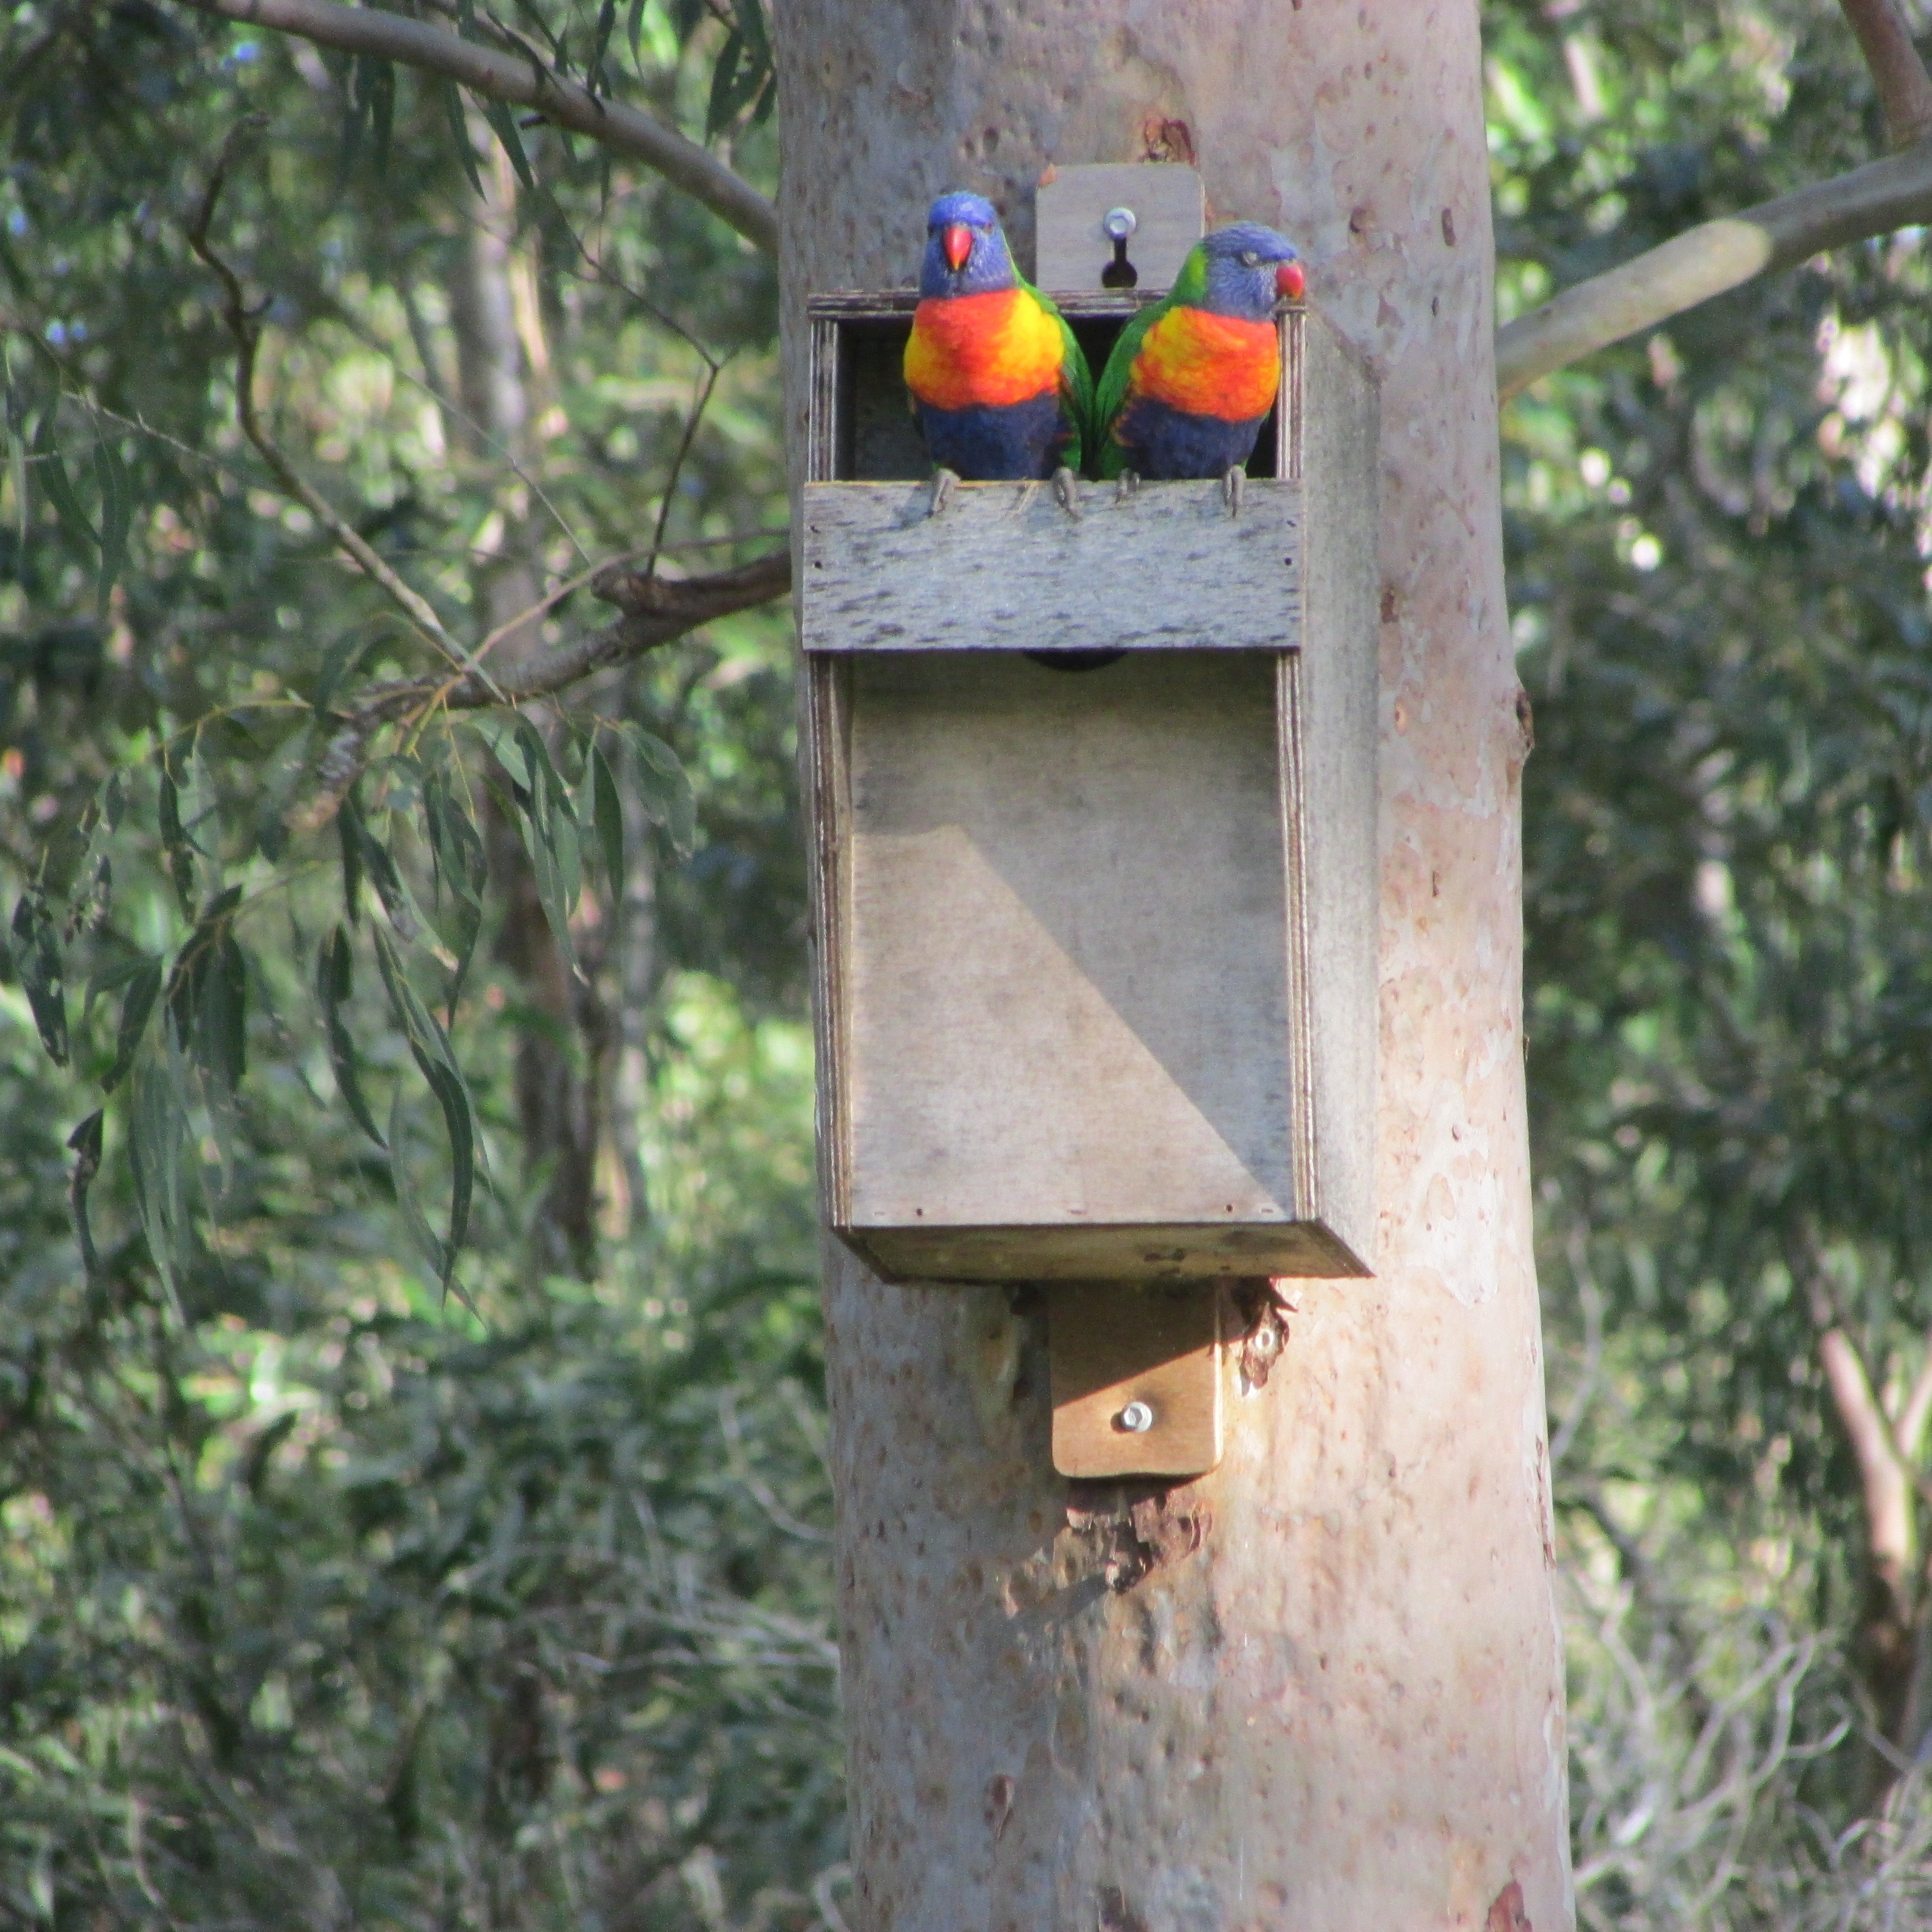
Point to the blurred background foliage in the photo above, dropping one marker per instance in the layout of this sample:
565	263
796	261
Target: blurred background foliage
331	1595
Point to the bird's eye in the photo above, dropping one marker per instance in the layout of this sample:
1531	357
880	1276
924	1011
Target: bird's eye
1249	259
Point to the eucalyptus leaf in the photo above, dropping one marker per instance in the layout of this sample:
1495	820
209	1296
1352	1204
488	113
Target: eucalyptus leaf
37	959
137	1004
84	1142
664	788
335	985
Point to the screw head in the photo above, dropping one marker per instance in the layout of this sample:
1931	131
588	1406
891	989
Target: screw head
1120	223
1136	1419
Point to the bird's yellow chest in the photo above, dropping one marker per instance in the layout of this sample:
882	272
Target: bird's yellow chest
991	349
1209	365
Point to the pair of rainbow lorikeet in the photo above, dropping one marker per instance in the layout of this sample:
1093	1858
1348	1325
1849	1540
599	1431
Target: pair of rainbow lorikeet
1003	392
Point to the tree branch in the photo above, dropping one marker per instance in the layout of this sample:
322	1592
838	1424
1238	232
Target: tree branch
522	83
1883	1481
657	611
1710	258
1904	88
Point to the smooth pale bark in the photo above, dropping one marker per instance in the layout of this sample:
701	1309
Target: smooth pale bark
1322	1687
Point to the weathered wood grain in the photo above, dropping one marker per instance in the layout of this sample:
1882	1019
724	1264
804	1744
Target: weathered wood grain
1004	567
1072	248
1064	973
1334	687
1012	862
1110	1344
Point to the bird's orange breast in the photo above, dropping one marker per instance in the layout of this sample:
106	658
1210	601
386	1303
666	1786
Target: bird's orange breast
1209	365
989	349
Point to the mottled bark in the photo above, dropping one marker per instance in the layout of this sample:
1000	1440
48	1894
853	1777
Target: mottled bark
1322	1687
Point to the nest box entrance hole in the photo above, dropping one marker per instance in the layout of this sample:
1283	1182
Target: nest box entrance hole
878	440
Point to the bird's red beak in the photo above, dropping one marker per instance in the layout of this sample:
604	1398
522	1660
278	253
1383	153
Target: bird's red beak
957	243
1290	281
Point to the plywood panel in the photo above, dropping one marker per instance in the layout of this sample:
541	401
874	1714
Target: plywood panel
1005	567
1334	693
1066	982
1073	249
1113	1346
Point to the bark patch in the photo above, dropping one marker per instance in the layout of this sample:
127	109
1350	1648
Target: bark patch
1506	1914
1132	1534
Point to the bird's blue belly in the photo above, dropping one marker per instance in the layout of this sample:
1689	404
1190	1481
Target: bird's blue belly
1167	445
997	442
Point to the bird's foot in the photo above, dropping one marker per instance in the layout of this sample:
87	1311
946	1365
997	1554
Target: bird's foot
1128	486
944	482
1066	490
1231	489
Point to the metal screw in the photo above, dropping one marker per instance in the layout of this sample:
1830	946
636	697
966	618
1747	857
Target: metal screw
1136	1419
1120	223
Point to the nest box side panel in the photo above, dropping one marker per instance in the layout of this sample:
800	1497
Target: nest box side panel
1335	682
1067	999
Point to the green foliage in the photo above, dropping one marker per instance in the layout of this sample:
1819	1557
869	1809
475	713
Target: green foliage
1718	538
360	1564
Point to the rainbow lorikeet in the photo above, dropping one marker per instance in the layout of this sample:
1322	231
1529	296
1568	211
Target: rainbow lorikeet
1192	376
999	387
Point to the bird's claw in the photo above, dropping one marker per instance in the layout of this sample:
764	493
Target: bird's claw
1066	490
1231	489
944	483
1128	486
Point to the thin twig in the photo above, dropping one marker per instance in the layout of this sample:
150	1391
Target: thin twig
1904	88
244	324
690	436
522	81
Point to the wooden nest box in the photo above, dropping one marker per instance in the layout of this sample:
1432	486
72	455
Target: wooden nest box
1095	929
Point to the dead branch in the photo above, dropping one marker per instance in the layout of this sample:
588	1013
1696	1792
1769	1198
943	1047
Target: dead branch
1904	88
657	611
1710	258
522	82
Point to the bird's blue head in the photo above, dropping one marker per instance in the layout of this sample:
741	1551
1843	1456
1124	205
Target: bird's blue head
1247	269
965	252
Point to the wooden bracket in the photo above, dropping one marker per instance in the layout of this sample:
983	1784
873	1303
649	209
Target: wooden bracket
1074	252
1136	1379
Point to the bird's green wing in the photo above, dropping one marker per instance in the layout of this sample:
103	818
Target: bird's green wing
1112	392
1076	380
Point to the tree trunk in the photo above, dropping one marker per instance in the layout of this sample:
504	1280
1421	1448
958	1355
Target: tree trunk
1322	1687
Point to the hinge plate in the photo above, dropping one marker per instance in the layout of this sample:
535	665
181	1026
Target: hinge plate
1123	1356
